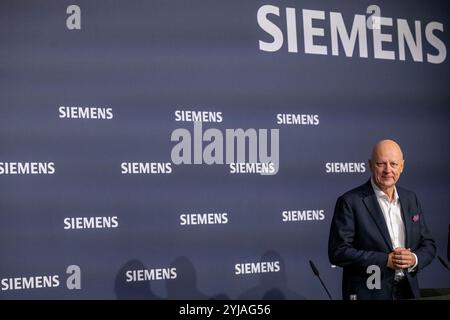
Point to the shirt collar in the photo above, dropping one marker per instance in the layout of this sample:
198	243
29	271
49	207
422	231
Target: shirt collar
380	194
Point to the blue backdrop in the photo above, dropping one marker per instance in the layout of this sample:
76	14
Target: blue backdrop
123	69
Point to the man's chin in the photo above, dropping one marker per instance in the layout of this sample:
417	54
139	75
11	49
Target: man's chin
388	183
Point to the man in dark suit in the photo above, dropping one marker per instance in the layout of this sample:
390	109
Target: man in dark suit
379	224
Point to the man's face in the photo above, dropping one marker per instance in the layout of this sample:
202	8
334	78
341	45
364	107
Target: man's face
386	165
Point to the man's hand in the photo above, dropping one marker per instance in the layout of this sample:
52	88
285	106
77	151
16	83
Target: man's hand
401	258
390	262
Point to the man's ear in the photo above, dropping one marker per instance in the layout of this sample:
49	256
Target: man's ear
370	164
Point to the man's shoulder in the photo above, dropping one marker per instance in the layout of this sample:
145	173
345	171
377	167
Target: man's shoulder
358	192
405	193
366	189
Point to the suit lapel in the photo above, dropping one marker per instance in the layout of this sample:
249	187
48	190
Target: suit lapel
374	209
406	218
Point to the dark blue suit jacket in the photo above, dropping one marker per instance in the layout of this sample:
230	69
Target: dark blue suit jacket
359	237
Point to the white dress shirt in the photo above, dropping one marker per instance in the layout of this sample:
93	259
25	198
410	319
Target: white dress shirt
392	213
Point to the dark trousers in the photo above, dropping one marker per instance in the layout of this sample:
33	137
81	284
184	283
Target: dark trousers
401	290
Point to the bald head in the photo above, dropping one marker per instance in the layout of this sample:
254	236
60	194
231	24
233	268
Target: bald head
385	146
386	165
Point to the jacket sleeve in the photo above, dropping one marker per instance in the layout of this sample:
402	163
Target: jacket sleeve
426	250
341	250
